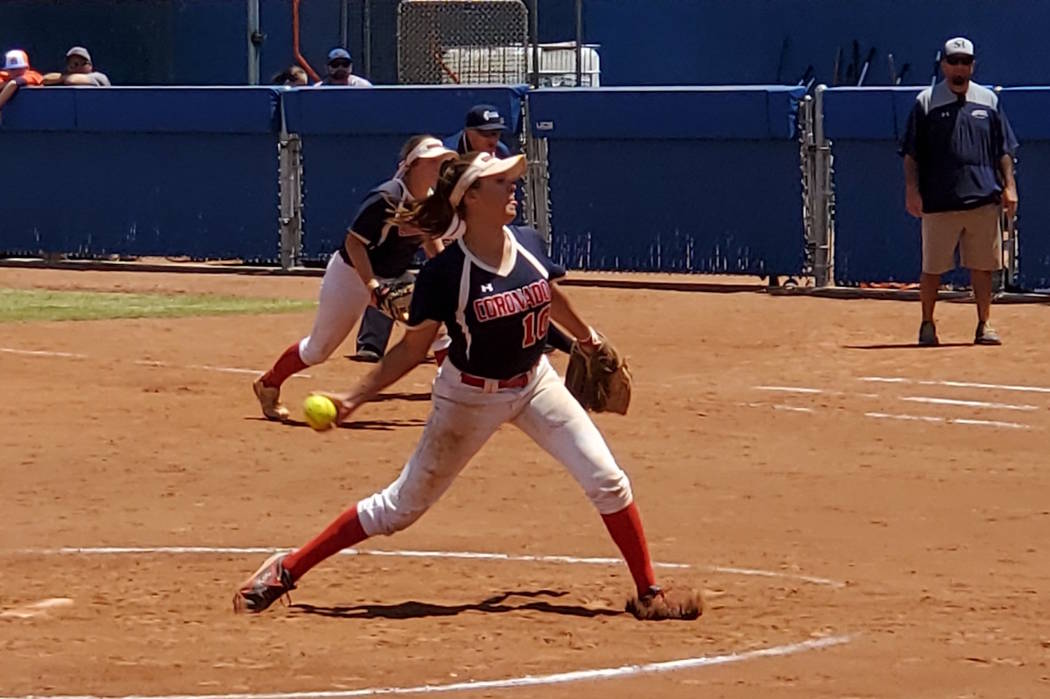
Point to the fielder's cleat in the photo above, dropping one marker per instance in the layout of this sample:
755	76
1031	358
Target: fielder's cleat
659	605
366	354
986	335
928	334
270	402
266	585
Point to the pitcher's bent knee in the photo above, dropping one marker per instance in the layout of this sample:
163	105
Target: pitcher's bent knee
315	351
382	513
611	492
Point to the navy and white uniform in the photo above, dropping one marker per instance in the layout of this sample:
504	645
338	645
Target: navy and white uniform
458	143
390	254
344	298
496	373
497	319
957	143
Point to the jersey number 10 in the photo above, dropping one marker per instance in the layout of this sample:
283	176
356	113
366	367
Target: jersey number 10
535	325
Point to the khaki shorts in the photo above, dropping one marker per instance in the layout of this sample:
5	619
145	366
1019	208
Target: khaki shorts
975	232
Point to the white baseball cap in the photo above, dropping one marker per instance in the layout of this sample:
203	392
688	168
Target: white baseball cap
16	59
426	149
486	165
959	46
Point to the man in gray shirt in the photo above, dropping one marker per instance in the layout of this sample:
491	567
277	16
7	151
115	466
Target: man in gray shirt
79	71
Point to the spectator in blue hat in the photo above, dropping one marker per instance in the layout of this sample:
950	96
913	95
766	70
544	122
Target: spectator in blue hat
482	132
340	71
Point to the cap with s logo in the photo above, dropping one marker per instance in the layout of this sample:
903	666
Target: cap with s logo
959	46
485	117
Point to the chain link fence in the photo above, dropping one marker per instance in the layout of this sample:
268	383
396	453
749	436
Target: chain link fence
463	42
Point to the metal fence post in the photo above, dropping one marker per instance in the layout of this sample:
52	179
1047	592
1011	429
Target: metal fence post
255	39
807	172
822	198
537	183
290	178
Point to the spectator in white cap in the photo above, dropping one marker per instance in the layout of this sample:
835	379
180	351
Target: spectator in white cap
959	178
79	71
16	73
340	69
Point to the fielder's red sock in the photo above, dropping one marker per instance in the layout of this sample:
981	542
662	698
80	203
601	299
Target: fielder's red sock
344	532
439	356
625	527
287	364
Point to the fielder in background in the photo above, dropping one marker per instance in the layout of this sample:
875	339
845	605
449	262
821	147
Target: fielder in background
484	127
374	258
959	176
493	289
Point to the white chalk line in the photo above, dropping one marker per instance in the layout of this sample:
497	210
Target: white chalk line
806	390
791	408
145	362
510	682
34	609
967	403
956	384
43	353
468	555
950	420
906	417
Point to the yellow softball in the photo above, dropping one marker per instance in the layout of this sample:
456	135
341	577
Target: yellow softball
319	411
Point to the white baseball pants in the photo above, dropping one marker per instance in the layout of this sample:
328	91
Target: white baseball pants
463	419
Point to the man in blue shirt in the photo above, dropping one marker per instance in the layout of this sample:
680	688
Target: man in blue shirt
959	174
482	132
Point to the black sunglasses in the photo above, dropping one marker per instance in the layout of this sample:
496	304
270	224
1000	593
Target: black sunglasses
340	64
959	60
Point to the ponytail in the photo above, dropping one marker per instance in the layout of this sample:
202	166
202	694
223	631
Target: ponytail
435	214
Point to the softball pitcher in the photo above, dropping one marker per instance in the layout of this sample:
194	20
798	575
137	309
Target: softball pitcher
492	288
376	253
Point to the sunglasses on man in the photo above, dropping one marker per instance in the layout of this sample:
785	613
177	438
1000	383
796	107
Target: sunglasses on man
341	63
959	60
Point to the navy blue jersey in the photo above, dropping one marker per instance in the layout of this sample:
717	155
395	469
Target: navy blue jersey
957	144
390	253
458	143
497	319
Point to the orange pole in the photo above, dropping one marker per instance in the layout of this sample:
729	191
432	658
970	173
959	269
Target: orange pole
295	43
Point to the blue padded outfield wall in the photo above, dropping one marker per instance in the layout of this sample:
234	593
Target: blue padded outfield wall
684	42
351	140
693	179
688	179
141	171
876	240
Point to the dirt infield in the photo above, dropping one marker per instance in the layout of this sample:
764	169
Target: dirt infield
784	437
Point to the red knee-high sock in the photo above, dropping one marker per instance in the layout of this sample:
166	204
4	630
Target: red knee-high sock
344	532
625	527
287	364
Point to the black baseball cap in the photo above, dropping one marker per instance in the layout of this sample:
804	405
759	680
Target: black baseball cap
485	117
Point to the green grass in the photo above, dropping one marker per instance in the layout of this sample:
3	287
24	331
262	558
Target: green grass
37	304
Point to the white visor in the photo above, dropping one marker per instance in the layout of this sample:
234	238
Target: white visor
486	165
427	148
